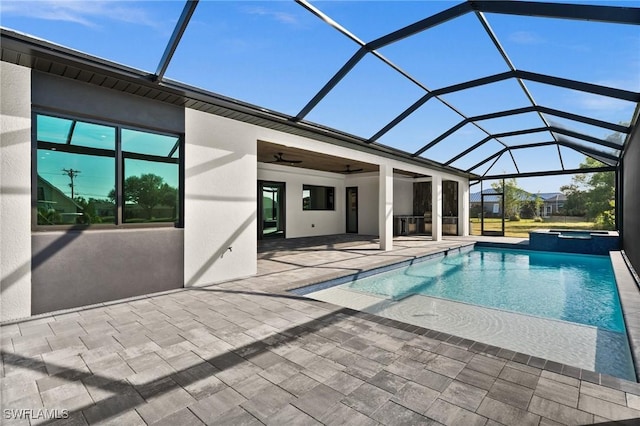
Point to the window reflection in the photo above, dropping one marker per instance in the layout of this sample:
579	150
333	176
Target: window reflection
74	188
149	143
74	181
93	135
53	129
317	197
76	165
150	191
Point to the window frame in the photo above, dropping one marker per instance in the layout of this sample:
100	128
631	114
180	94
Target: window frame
119	158
333	204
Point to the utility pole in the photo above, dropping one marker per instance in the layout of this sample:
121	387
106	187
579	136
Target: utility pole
72	174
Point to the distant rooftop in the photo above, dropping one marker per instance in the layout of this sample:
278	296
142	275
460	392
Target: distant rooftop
476	197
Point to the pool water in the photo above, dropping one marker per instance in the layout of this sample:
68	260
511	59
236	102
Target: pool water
569	287
557	306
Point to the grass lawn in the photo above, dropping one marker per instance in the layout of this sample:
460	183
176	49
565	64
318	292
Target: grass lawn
522	227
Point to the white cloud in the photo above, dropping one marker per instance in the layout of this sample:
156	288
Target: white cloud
283	17
592	102
87	13
632	83
525	37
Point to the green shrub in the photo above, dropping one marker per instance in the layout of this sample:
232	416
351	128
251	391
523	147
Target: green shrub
607	219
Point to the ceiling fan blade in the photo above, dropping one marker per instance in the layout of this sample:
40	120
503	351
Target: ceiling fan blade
279	159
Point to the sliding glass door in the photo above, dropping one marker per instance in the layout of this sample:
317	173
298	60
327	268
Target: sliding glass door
271	208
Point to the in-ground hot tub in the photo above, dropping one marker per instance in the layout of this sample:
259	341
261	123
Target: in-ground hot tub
574	241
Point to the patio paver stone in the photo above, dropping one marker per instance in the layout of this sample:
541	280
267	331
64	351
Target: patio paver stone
247	352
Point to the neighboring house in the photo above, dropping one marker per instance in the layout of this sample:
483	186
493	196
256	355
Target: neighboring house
54	206
492	203
552	202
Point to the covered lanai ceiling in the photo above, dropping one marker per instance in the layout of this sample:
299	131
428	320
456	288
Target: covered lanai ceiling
487	88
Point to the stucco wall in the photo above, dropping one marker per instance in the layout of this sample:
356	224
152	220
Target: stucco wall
631	200
220	199
367	201
75	268
402	195
219	239
75	97
367	213
15	197
305	223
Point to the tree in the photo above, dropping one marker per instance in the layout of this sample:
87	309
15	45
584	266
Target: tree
576	203
592	194
94	210
88	210
169	197
148	191
531	207
514	197
601	189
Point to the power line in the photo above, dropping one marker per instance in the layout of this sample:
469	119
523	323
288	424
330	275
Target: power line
72	174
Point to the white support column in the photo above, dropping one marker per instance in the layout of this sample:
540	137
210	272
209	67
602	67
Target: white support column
463	209
15	202
385	207
436	208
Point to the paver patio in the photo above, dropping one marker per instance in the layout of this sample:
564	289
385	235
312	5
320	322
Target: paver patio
247	352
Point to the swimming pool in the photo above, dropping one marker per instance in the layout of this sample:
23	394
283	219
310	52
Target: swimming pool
568	287
558	306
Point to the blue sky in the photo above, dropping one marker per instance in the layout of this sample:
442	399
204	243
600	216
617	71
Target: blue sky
277	55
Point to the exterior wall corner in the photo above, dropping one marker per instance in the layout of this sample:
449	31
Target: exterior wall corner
15	199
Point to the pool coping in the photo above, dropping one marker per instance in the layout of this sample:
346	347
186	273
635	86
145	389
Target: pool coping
304	289
624	279
630	302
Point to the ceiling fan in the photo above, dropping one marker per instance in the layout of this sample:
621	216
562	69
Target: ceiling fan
348	170
279	159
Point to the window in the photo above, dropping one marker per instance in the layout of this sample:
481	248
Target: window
151	174
317	197
89	173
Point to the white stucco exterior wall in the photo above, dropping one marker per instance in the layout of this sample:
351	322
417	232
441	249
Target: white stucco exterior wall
15	198
301	223
402	195
221	173
220	199
464	226
367	184
436	208
385	207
